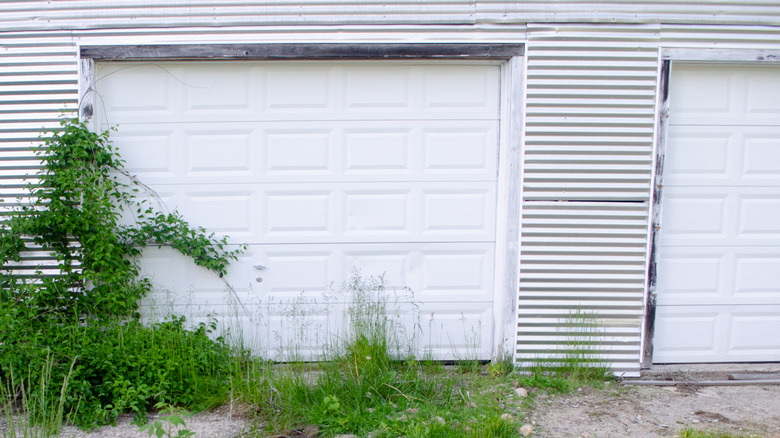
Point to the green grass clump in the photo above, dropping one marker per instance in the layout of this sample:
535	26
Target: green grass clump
697	433
578	362
370	384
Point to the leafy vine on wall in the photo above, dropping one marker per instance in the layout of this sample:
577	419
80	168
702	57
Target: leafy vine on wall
84	210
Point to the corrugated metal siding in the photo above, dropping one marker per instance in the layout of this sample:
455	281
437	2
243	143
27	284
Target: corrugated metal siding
753	12
590	114
92	14
38	81
737	37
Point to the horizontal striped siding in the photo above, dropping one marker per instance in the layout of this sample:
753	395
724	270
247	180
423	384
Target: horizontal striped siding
752	12
94	14
38	81
589	121
118	14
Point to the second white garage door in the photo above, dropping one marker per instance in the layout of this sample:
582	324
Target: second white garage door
719	253
322	167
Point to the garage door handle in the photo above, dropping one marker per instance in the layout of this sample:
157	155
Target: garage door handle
259	268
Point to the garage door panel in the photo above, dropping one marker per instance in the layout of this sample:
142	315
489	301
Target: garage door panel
691	276
379	210
718	275
322	168
737	156
718	216
461	332
762	95
758	217
733	96
338	212
435	273
150	154
217	152
754	332
757	277
304	212
314	151
718	283
458	211
299	331
761	157
124	98
280	91
718	333
361	92
696	153
298	151
447	310
211	90
689	334
695	215
699	91
210	207
310	90
453	276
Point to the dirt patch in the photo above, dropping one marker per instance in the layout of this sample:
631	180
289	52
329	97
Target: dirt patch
651	411
614	411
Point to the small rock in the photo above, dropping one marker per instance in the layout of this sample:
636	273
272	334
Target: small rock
412	411
526	430
506	416
521	392
439	420
585	435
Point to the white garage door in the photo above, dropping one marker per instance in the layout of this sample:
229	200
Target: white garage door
322	167
719	254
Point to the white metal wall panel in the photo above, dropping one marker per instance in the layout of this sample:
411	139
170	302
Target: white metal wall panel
325	166
590	112
630	11
38	82
719	247
97	14
727	36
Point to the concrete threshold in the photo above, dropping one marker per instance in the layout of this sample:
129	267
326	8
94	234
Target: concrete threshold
721	374
702	382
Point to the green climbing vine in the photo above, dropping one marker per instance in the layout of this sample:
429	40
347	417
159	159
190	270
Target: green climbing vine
84	210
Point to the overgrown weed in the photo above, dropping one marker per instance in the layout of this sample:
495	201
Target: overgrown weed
371	384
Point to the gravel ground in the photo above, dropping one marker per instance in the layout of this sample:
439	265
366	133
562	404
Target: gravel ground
652	411
618	410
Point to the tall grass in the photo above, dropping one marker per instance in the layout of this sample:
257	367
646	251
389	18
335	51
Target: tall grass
370	383
579	358
28	408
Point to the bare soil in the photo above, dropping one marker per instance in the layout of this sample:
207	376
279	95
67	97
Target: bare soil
652	411
617	410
